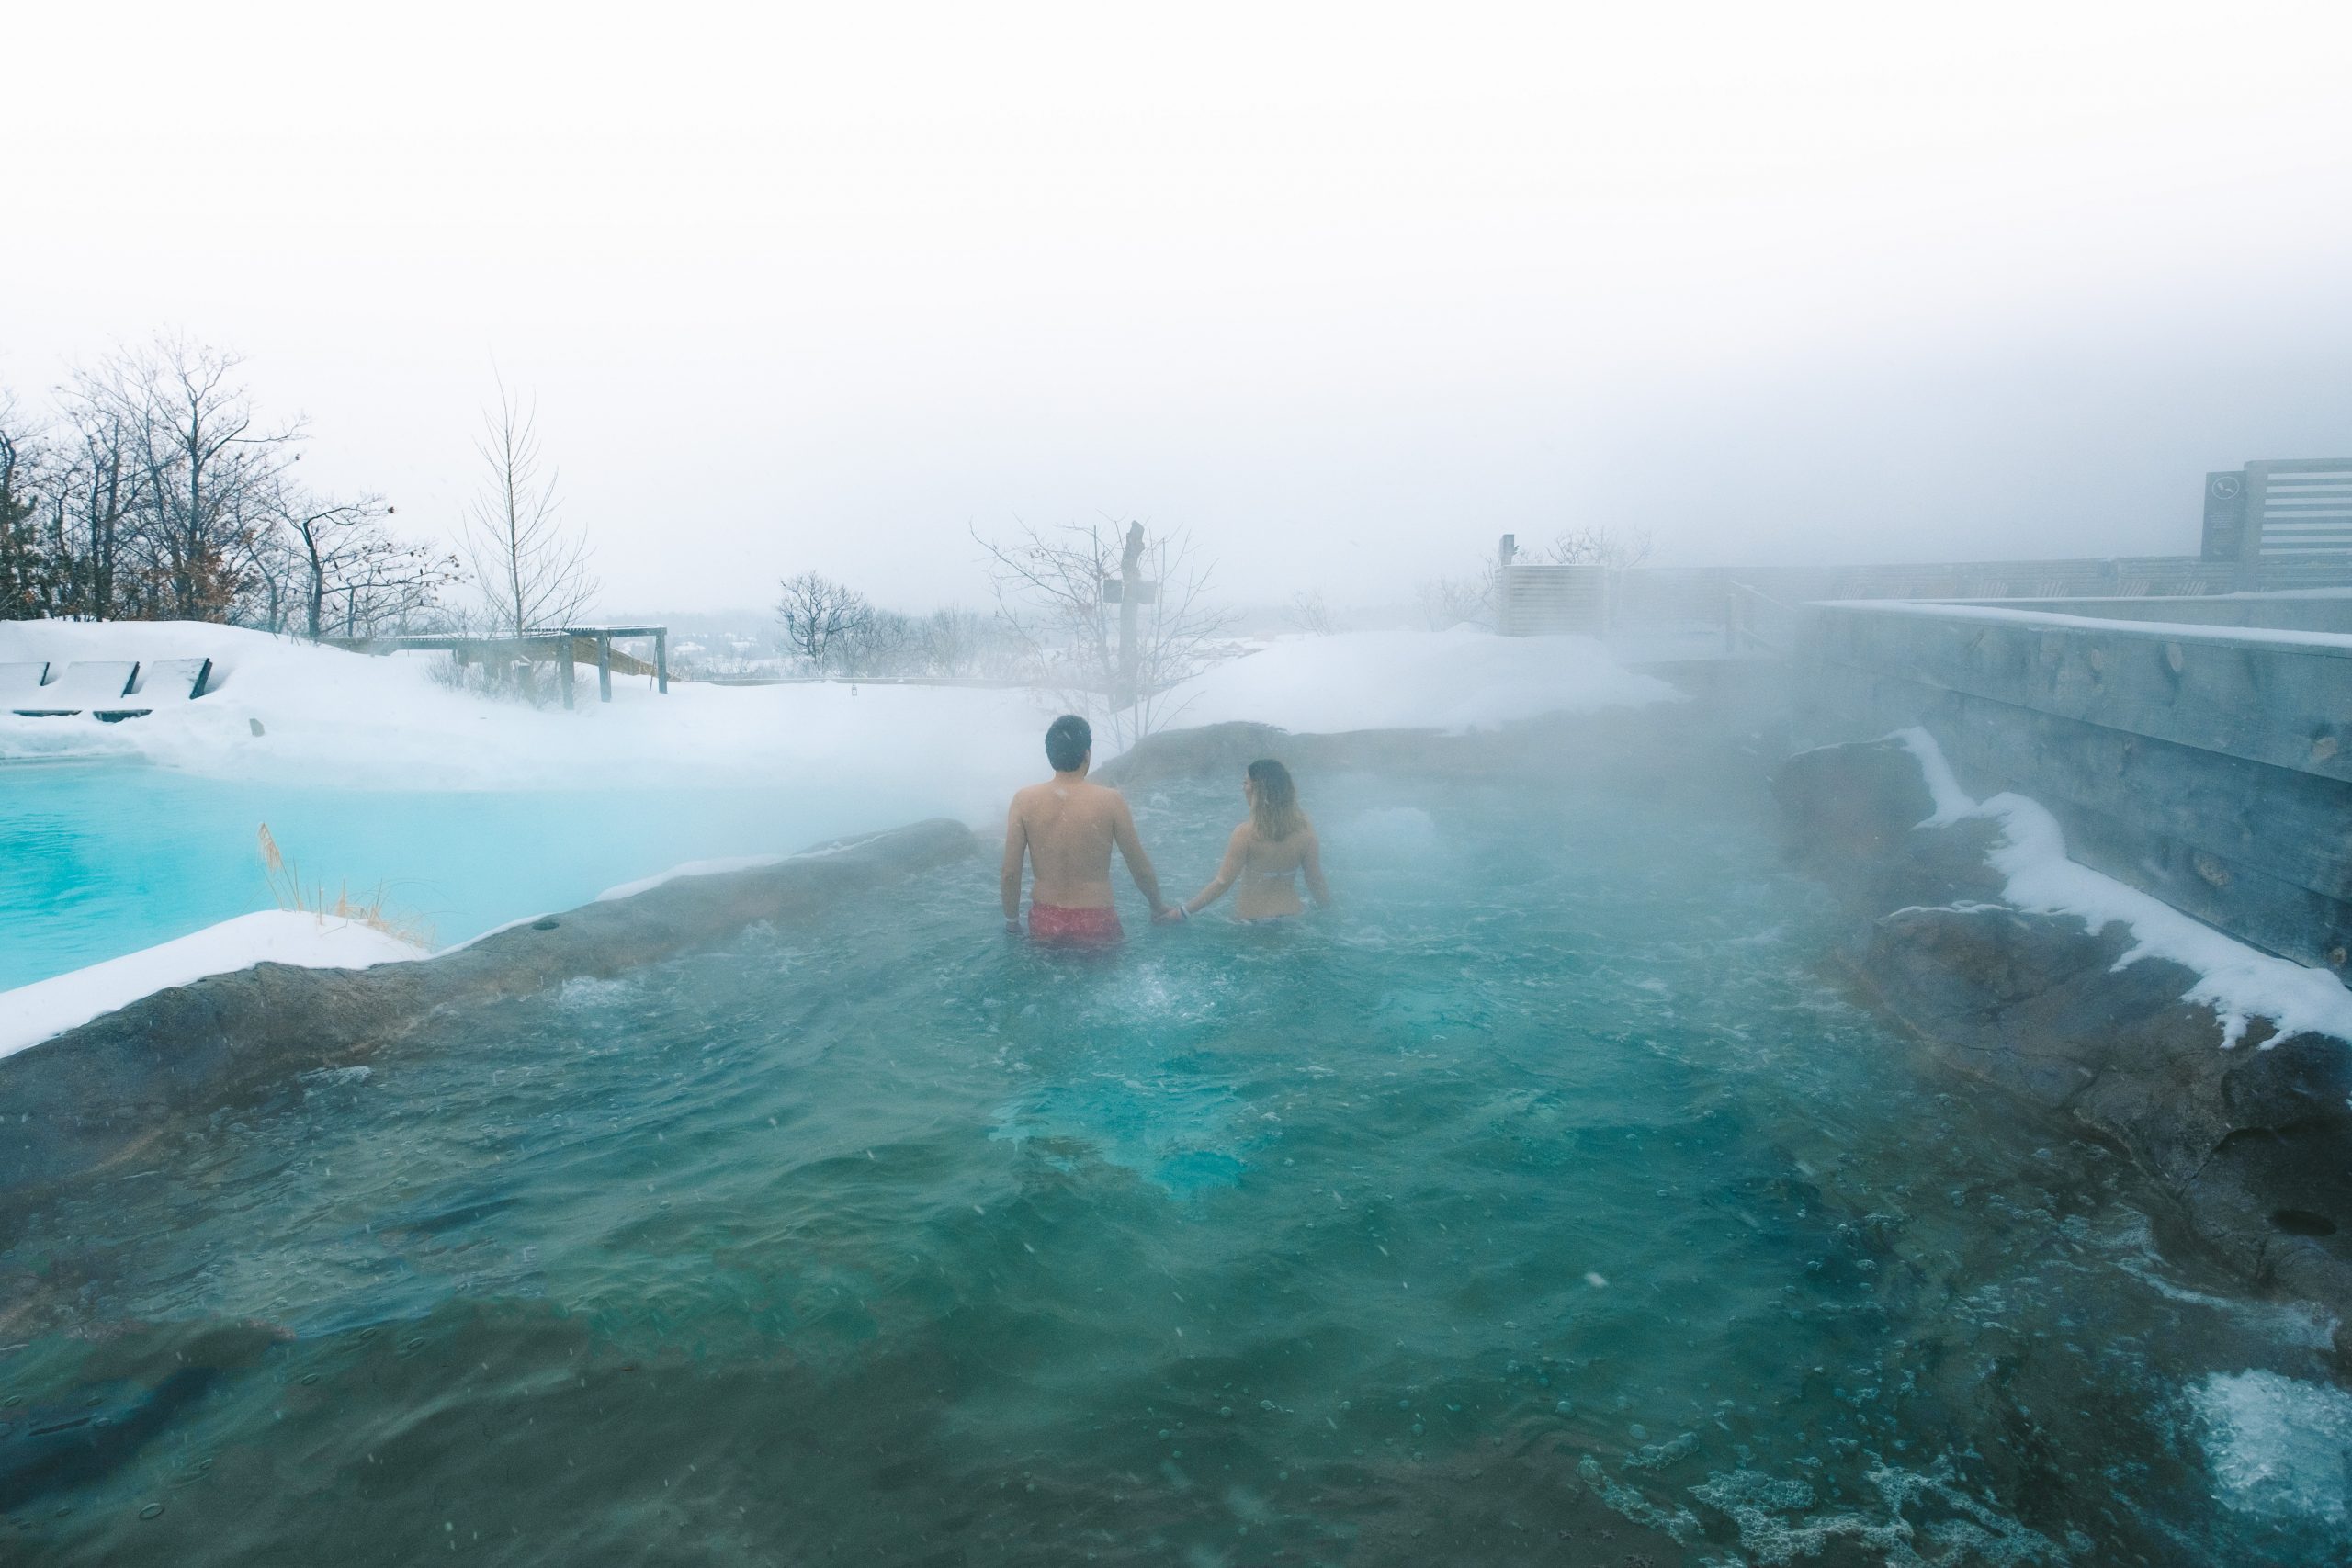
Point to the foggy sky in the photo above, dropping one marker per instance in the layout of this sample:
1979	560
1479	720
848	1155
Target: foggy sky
1348	290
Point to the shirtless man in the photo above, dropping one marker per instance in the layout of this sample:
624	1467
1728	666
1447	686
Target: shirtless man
1066	827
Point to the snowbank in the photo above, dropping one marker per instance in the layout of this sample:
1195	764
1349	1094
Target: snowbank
30	1014
332	717
2239	982
1452	681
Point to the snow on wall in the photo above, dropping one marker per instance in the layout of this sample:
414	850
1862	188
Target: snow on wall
2239	982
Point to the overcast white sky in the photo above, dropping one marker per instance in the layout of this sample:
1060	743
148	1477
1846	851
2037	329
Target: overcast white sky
1349	290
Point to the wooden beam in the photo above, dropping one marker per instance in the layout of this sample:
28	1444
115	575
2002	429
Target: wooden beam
661	660
603	667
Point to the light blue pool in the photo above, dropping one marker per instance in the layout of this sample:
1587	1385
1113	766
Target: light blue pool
98	860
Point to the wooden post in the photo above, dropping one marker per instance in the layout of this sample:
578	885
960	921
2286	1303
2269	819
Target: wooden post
563	667
1505	553
603	667
1130	596
661	661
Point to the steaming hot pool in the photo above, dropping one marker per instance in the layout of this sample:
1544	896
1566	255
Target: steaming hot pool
1546	1203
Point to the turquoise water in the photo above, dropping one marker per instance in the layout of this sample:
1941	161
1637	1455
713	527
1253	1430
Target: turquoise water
98	860
1543	1206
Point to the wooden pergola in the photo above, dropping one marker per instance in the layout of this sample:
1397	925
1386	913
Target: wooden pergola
558	644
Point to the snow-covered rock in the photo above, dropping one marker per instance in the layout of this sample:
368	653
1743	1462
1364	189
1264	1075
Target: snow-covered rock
30	1014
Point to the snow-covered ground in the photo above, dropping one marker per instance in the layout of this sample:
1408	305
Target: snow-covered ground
337	718
2238	981
282	709
334	717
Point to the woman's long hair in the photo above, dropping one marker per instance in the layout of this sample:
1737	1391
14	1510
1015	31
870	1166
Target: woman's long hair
1273	805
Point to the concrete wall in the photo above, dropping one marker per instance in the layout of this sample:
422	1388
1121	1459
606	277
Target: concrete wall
2210	766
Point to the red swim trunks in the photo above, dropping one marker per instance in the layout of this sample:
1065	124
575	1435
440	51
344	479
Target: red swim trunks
1059	927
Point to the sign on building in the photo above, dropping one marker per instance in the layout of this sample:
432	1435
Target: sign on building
2287	522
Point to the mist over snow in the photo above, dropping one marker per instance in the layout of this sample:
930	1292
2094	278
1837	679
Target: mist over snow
1462	679
346	720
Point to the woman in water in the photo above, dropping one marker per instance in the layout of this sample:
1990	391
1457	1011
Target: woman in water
1267	854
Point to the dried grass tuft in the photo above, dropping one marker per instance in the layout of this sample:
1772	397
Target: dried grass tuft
285	885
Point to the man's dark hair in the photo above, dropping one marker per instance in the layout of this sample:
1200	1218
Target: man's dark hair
1068	742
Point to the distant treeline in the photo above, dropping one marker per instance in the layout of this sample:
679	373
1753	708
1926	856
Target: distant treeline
835	629
155	491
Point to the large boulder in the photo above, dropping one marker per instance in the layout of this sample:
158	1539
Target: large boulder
2254	1138
1851	815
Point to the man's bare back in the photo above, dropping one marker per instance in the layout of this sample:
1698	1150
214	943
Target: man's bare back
1065	830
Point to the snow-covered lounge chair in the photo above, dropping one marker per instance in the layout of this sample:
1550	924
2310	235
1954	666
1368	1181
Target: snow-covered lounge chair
21	682
162	683
80	689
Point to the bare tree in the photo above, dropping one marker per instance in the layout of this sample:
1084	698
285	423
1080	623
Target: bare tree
269	581
1601	545
160	493
1053	592
531	573
201	463
26	574
1448	601
356	576
1311	614
962	642
821	618
888	643
92	506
